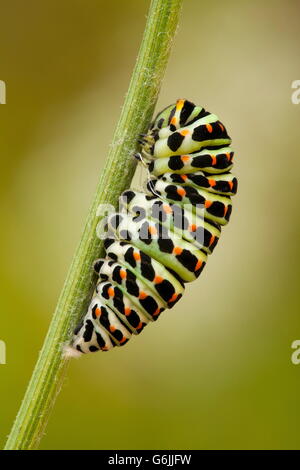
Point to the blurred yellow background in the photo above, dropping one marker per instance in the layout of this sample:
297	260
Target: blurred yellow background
216	371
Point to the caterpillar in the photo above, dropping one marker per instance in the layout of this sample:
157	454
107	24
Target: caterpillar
160	239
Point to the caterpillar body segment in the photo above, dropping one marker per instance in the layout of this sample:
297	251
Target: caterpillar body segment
161	238
210	161
154	274
217	208
160	243
223	184
184	133
181	220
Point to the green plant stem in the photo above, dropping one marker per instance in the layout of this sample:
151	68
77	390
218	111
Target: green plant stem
136	114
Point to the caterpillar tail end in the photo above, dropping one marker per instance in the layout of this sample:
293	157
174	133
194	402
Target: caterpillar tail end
69	352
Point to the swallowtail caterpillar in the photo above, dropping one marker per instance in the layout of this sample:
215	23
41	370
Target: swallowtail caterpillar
162	238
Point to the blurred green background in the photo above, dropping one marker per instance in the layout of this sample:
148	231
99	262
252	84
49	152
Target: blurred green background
214	372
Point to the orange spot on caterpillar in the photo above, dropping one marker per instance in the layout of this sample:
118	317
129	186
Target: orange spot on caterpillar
157	312
123	274
152	230
185	158
230	185
111	292
136	256
214	160
207	204
184	177
173	121
104	348
177	250
112	328
123	340
142	295
228	156
173	298
198	265
158	279
181	192
225	210
179	104
221	125
209	128
212	182
212	239
193	228
167	209
127	311
139	326
184	132
98	312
